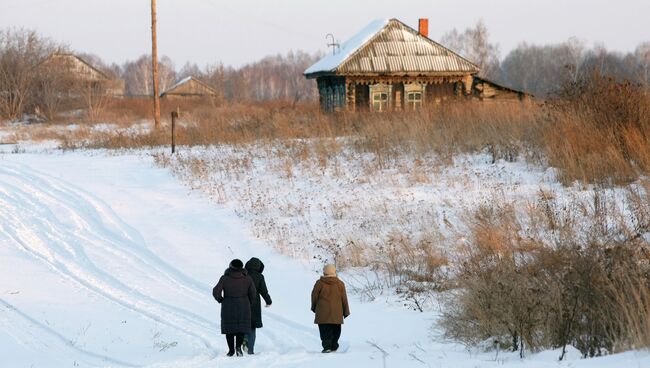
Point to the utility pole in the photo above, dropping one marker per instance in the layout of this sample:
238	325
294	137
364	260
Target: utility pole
154	65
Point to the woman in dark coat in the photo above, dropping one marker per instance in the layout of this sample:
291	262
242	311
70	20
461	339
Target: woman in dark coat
255	267
329	302
235	292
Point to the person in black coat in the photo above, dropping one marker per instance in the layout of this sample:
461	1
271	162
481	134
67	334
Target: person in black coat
235	291
255	267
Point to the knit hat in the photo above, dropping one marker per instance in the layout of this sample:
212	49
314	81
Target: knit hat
236	264
329	270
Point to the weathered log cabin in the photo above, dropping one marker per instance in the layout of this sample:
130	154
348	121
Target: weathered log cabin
389	66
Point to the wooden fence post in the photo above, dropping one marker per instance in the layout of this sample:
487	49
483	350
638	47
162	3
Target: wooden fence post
174	117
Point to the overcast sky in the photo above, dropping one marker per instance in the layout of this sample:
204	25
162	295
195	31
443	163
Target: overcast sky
236	32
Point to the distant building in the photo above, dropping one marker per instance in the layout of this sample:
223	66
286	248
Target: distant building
190	87
86	72
389	66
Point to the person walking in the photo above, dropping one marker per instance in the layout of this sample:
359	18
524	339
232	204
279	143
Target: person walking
255	267
329	302
235	291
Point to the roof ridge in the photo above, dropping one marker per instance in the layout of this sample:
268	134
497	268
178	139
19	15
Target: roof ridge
429	56
439	44
84	61
187	79
362	37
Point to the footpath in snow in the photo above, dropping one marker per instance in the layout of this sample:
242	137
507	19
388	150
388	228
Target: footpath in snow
107	261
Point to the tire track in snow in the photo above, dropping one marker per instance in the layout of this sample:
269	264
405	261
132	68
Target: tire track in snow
97	214
29	221
28	199
23	322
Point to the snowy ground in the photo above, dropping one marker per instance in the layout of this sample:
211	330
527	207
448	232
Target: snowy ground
308	204
109	261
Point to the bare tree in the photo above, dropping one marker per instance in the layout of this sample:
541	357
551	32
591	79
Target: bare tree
94	97
54	89
272	78
138	75
190	70
575	53
545	69
474	45
642	55
21	54
166	73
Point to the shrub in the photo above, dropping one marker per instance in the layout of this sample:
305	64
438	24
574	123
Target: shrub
586	286
599	131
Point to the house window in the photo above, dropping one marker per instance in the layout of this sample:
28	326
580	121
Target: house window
414	100
380	101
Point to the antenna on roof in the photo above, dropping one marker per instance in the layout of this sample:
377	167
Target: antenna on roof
333	44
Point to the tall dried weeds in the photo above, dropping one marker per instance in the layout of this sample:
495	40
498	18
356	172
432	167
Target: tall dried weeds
583	283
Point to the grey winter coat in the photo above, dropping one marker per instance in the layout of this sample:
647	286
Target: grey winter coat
235	291
255	267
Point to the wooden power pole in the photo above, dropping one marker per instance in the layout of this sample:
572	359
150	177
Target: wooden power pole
154	65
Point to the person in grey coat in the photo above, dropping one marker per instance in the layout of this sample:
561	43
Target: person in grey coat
255	267
235	291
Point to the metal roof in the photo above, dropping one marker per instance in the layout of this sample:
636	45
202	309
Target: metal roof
394	49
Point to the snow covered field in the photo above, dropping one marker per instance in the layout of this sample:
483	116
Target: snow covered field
109	261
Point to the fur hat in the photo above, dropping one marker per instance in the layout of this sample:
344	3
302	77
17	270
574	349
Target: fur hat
236	264
329	270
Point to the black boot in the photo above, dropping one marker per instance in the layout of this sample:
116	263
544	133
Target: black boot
230	339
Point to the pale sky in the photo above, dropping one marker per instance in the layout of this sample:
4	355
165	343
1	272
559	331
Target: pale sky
237	32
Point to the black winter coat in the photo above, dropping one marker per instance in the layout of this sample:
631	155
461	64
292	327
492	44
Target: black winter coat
235	291
255	267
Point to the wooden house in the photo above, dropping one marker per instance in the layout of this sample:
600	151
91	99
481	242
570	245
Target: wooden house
389	66
84	71
190	87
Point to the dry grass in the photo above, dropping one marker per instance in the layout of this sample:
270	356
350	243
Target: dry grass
596	131
599	131
445	129
583	283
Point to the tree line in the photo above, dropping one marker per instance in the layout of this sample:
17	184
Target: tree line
28	85
277	77
543	70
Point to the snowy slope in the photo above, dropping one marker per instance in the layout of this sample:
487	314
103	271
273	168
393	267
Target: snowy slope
107	261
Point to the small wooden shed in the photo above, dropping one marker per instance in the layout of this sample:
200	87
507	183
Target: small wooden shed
389	66
190	87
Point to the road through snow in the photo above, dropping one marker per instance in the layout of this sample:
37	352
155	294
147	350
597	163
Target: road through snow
112	263
107	261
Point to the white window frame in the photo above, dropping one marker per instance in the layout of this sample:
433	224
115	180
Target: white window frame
414	103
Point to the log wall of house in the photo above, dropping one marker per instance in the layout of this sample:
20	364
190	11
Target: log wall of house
332	93
436	93
356	93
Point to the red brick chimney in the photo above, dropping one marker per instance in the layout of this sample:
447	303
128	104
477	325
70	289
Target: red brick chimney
423	27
